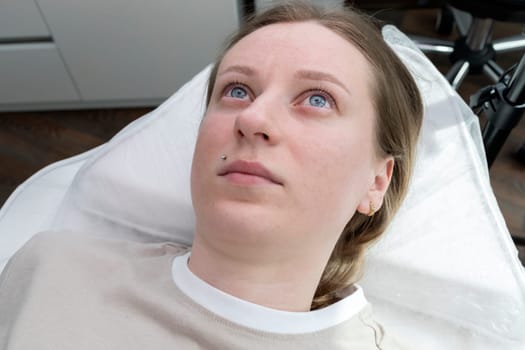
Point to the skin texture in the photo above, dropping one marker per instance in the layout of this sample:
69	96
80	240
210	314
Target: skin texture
293	99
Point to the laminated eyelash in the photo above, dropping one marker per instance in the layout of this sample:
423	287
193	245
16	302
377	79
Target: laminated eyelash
230	85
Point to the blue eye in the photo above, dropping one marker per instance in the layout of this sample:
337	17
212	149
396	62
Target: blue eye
238	92
318	101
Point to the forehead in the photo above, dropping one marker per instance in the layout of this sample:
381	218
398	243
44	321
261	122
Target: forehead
300	45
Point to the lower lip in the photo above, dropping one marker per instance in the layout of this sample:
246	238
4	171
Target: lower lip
247	179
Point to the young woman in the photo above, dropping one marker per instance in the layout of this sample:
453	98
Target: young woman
303	157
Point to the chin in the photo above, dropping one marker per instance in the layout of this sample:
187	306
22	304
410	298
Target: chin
243	218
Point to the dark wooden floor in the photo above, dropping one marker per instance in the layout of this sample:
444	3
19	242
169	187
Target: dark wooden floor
30	141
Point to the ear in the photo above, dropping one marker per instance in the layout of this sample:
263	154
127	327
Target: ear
378	187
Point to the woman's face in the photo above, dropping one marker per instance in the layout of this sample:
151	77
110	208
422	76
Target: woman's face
292	111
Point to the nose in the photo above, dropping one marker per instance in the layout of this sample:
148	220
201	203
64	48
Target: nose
257	123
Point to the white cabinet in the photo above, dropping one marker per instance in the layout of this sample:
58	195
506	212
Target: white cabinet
113	52
31	69
21	20
33	73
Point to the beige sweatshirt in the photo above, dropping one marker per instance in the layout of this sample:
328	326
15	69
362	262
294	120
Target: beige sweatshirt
67	291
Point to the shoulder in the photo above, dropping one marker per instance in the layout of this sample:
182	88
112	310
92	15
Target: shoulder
34	251
49	242
65	241
56	266
59	250
54	246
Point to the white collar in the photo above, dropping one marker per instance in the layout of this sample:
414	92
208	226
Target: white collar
260	317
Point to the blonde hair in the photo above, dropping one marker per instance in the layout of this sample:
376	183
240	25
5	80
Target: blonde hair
398	120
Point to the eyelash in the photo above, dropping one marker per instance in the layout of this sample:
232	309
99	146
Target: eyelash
233	84
319	90
324	93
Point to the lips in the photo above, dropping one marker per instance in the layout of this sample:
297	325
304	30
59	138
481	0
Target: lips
248	173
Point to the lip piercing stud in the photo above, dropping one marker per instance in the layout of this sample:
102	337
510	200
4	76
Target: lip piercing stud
223	156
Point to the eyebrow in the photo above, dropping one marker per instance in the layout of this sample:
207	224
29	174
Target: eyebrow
316	75
245	70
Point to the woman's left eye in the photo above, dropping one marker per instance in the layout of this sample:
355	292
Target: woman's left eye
319	99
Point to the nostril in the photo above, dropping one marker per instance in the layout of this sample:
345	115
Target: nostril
262	135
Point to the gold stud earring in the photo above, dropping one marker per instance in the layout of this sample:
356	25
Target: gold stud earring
372	209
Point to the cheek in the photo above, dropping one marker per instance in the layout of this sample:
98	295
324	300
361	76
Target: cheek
341	165
208	148
214	132
337	170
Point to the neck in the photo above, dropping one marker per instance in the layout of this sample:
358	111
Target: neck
284	283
